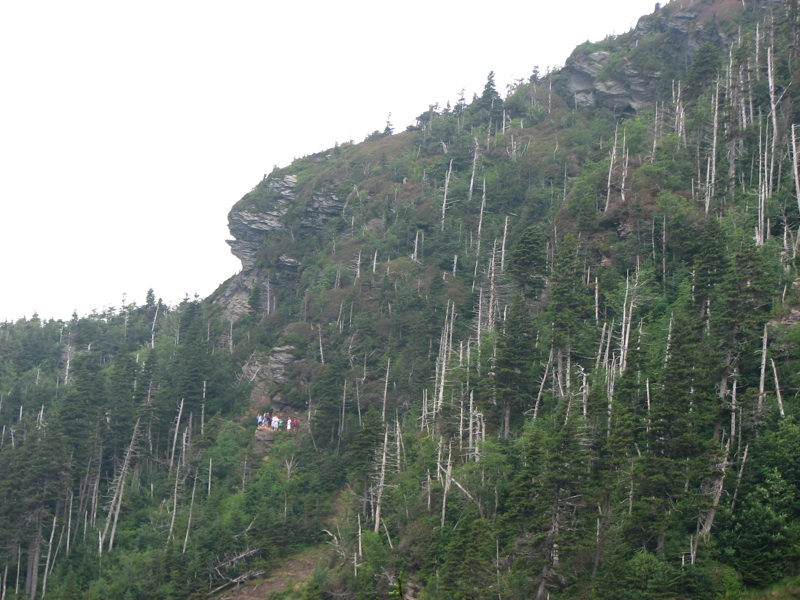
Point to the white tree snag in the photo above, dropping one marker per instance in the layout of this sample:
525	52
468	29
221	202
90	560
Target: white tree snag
119	489
541	385
47	560
175	437
471	442
385	390
446	186
795	167
777	388
69	519
381	478
475	154
739	477
502	248
153	328
712	171
174	503
600	347
448	472
611	168
761	383
344	406
478	243
773	102
191	508
492	289
321	353
69	348
625	157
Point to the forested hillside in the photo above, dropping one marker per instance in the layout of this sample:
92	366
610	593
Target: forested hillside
540	344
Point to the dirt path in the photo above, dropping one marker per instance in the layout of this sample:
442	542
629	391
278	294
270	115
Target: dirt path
293	570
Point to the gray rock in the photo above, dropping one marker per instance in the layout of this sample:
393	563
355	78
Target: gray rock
624	88
279	360
256	215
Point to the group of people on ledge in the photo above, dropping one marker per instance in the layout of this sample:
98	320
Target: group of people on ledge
276	423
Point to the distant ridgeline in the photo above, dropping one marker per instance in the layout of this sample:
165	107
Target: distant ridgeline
540	345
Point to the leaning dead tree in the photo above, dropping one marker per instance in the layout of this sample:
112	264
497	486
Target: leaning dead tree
118	486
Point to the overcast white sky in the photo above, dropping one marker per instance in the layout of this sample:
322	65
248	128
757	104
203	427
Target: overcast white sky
129	129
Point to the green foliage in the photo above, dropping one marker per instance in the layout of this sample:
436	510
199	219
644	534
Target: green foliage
572	381
527	261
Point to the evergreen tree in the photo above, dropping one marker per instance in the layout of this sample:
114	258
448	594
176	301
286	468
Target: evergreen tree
570	301
527	261
513	365
468	570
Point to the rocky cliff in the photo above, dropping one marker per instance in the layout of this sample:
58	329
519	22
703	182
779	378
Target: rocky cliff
630	72
274	208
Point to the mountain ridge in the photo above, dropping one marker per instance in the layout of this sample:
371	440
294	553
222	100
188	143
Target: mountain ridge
543	346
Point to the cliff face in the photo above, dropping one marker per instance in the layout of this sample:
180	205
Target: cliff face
628	73
256	215
275	207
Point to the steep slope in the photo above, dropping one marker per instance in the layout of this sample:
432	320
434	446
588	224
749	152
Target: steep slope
631	72
544	343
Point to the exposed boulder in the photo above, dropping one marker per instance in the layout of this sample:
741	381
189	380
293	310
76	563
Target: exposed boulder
280	359
266	372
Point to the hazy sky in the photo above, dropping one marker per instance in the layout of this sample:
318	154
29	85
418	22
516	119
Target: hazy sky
128	130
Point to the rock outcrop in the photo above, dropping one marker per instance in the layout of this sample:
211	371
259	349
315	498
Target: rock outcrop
263	211
274	205
265	372
279	361
627	78
627	91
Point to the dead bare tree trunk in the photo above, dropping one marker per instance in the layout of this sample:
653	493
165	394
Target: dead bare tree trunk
795	169
447	480
710	188
478	243
773	103
625	158
385	390
760	407
321	353
381	478
611	168
739	477
492	290
34	553
153	327
174	503
191	508
49	554
541	385
175	436
777	388
446	186
502	248
119	489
